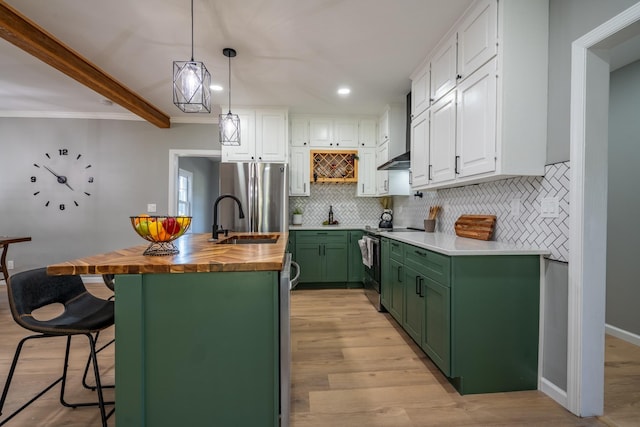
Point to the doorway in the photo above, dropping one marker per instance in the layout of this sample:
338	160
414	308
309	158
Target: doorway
590	59
200	167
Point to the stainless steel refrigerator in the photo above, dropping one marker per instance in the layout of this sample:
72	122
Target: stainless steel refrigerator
263	190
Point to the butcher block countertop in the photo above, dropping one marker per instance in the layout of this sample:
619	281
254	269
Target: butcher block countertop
197	255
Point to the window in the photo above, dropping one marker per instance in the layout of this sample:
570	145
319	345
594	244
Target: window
185	193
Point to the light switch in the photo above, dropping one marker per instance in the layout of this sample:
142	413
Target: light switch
550	207
10	265
515	207
151	207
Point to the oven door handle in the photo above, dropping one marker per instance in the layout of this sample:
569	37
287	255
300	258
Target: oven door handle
294	281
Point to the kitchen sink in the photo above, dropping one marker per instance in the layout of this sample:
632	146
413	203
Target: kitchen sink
249	239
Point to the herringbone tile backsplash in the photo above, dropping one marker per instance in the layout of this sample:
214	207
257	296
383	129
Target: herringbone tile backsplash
527	228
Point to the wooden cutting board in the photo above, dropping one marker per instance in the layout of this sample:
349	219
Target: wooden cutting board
476	226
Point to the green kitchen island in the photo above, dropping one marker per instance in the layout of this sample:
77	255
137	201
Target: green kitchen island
198	334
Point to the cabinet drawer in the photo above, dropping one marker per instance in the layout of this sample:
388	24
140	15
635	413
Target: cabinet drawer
433	265
311	236
396	249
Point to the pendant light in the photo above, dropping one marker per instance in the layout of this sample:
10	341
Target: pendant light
229	123
191	81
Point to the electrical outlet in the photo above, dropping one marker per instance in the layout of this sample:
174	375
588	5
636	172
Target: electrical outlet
550	207
151	207
515	207
10	265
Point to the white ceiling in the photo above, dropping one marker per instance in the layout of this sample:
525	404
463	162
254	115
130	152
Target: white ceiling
292	53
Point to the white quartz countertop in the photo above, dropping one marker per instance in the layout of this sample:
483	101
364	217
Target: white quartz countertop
446	244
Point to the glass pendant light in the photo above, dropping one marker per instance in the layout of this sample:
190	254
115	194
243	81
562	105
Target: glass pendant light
229	123
191	81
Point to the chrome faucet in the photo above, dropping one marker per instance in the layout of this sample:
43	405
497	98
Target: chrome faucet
215	231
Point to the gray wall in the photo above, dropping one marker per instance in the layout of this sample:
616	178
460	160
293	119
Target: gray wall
130	162
205	190
568	21
623	268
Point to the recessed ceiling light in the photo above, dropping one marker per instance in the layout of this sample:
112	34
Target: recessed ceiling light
344	91
217	88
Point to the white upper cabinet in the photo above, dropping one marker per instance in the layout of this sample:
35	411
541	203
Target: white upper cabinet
263	137
442	148
420	90
345	133
321	132
367	172
271	136
419	175
476	129
443	68
478	36
299	172
330	132
299	132
392	127
492	124
367	136
384	126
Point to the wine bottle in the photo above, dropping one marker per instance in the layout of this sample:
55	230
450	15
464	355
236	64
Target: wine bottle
330	214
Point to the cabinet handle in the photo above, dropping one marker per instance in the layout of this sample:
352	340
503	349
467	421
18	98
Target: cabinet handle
458	77
304	187
399	275
324	250
319	250
410	177
421	253
304	143
430	167
421	287
337	143
363	144
457	171
417	284
363	188
252	158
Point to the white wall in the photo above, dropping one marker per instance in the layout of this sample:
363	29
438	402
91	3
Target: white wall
623	268
569	20
130	162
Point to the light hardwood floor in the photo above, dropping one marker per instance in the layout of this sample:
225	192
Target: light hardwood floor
352	366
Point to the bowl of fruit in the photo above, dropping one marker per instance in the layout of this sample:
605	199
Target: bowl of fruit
161	231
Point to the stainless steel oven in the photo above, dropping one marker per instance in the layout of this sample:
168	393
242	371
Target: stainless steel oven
372	273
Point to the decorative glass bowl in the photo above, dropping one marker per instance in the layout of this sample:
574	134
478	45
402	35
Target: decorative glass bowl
161	231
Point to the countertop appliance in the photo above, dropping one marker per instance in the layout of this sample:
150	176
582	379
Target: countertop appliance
386	219
263	190
372	270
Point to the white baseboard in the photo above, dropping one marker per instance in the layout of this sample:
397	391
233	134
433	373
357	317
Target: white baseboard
553	391
629	337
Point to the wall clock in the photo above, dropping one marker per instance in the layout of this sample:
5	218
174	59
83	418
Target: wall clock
62	180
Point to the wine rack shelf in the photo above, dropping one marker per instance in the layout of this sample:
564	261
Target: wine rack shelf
334	166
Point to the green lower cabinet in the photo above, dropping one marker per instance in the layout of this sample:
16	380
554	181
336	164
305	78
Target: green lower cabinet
323	256
385	286
356	268
396	283
336	262
494	323
309	258
197	349
476	317
436	336
413	304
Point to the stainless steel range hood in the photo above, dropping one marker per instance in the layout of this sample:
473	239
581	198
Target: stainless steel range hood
401	162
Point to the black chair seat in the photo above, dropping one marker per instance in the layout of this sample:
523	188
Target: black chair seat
84	314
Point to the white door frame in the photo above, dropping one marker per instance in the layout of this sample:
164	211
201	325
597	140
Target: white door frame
174	155
590	74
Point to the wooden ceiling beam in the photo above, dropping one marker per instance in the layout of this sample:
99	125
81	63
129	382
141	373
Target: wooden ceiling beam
19	30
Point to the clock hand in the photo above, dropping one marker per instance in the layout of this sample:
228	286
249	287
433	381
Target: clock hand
61	178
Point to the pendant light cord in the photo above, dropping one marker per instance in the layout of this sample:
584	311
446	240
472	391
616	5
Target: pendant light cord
229	84
191	30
